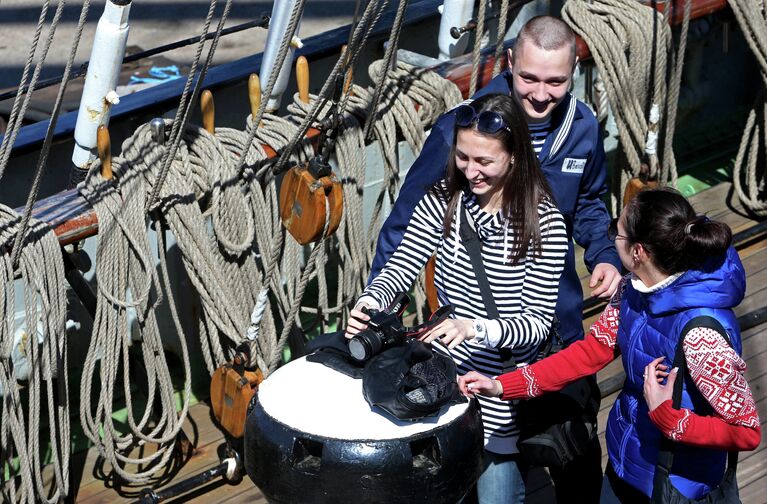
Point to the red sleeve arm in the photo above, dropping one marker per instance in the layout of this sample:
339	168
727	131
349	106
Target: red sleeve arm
706	431
582	358
718	373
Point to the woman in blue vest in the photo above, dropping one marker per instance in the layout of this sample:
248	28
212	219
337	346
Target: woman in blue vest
683	268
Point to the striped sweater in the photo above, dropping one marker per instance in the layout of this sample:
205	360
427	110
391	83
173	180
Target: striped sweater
525	293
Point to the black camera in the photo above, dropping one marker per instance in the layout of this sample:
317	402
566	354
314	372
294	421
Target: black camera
384	330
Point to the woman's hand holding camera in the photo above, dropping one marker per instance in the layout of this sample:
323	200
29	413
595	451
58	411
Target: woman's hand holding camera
450	332
358	321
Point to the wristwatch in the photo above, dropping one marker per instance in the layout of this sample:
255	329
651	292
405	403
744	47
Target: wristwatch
480	331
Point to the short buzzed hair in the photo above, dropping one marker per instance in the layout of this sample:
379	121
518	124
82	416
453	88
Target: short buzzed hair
548	33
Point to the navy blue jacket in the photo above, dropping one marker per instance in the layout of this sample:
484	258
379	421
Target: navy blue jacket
573	160
650	326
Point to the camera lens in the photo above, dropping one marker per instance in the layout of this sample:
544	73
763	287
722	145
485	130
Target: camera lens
365	345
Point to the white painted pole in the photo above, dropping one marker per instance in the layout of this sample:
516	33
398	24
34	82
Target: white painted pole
455	13
103	70
278	26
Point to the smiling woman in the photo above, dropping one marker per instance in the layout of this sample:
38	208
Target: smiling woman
494	159
494	191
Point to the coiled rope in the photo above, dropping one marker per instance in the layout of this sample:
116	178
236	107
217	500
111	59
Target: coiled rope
36	253
41	273
749	172
128	284
631	44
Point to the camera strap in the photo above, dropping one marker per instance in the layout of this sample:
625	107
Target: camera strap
438	316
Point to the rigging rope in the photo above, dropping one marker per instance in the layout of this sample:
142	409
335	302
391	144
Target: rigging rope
749	172
184	107
128	286
502	19
44	151
479	33
43	346
36	252
630	43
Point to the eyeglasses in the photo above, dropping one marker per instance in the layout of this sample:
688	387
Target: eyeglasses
487	121
612	231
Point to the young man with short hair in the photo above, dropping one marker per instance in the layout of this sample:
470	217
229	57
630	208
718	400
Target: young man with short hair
568	142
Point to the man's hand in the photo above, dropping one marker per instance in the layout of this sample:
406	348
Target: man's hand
606	278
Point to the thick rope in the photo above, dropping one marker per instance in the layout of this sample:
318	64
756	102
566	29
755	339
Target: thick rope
749	172
35	250
128	285
502	19
479	33
630	43
42	352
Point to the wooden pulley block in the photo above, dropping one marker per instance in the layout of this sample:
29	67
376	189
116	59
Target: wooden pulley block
635	185
311	202
638	183
231	388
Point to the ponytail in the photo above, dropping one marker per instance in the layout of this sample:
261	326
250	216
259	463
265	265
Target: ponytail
676	239
705	238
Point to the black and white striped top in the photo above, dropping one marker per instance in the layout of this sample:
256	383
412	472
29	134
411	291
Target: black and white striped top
525	293
538	134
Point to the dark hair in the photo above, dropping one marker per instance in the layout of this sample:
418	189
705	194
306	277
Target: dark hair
548	33
675	237
524	186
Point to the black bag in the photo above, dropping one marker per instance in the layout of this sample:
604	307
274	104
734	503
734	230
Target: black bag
410	382
664	491
559	427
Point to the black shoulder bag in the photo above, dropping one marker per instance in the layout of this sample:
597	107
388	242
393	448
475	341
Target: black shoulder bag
664	491
557	428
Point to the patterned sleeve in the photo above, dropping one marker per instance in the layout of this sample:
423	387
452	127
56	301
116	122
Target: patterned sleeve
718	372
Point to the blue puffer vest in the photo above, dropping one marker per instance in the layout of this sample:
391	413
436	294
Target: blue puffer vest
650	327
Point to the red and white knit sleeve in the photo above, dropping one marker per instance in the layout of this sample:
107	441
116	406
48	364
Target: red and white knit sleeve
580	359
718	372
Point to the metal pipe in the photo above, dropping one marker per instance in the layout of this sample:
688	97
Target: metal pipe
79	284
228	469
278	25
104	69
454	13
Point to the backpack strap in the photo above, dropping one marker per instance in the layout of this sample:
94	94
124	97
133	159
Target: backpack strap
667	446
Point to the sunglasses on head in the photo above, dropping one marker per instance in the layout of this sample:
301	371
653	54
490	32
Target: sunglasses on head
612	231
487	122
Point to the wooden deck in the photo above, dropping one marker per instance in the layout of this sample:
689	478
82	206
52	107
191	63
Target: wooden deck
201	452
